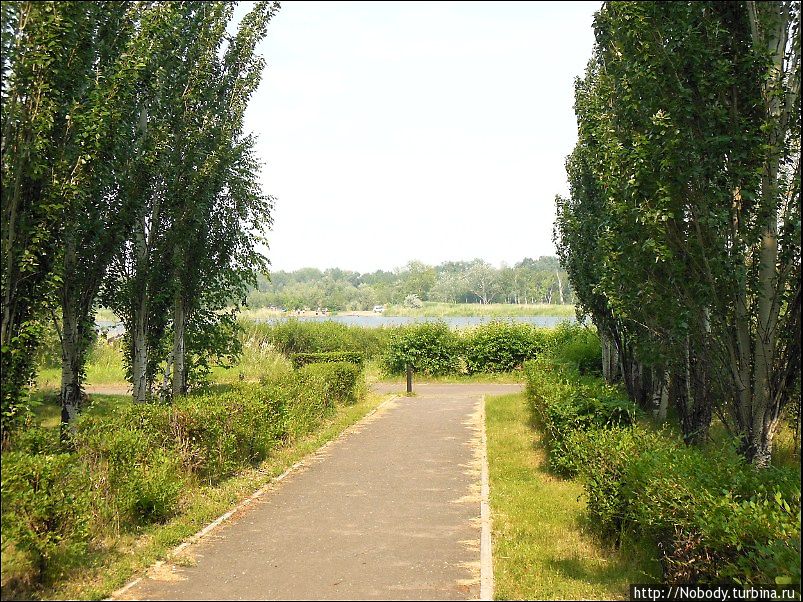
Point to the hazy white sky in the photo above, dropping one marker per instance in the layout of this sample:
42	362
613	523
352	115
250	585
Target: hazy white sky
430	131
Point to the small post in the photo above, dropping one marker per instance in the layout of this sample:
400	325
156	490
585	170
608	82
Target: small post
409	377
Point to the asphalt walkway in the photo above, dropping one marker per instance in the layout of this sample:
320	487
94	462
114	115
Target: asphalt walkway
389	511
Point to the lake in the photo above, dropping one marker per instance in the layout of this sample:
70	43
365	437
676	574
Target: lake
453	321
116	328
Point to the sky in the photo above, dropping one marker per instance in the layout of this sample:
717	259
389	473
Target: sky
428	131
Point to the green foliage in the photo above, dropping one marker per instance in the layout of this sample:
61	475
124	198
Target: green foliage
681	233
714	516
302	359
575	346
296	336
472	284
501	346
337	380
45	508
431	347
569	407
130	467
494	347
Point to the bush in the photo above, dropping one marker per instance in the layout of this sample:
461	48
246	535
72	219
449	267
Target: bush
501	346
335	382
45	508
568	408
296	336
714	516
430	347
575	346
302	359
130	468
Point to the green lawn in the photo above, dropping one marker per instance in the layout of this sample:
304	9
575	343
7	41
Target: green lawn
542	548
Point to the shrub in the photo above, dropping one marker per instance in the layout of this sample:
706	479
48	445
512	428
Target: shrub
567	408
296	336
413	302
501	346
337	381
45	508
576	346
715	517
430	347
302	359
134	479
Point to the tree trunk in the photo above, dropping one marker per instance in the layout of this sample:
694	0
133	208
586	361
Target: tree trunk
139	344
606	355
560	287
179	372
70	393
764	413
663	405
139	333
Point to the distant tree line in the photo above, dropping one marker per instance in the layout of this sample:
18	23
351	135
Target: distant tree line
127	180
539	280
681	234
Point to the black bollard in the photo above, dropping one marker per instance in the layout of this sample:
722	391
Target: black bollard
409	378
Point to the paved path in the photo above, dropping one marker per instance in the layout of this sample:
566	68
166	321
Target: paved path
389	511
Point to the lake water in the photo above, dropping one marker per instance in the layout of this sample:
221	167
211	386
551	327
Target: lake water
116	328
452	321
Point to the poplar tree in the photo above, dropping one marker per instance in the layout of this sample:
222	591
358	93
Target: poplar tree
682	230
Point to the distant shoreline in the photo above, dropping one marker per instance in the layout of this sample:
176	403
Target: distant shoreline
430	310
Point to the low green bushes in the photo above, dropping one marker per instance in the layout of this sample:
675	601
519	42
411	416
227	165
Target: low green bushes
715	517
302	359
431	347
574	346
122	471
46	505
434	349
338	380
501	346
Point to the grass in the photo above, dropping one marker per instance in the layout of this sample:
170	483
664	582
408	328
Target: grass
259	314
543	549
500	310
47	408
123	557
254	363
105	367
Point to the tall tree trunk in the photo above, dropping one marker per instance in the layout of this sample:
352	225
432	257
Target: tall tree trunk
763	416
139	345
76	332
139	333
663	404
560	286
179	371
605	343
70	393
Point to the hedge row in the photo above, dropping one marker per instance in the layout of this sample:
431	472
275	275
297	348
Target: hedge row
434	349
132	468
302	359
714	517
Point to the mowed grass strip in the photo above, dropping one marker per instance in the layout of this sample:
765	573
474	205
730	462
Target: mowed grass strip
542	549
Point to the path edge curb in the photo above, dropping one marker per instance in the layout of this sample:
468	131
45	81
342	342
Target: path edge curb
486	549
206	530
